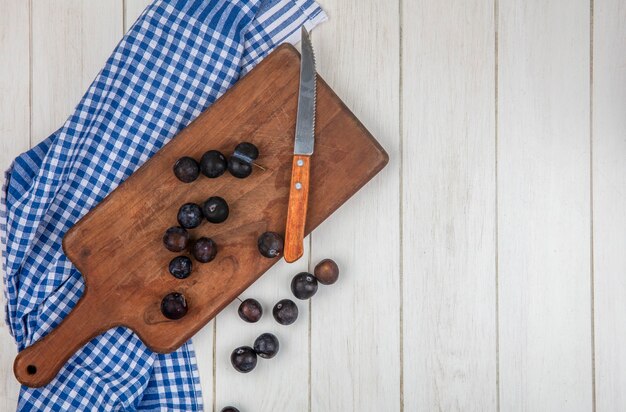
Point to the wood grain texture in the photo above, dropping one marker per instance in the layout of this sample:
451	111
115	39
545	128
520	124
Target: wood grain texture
449	216
260	109
544	206
14	139
71	41
355	324
296	210
609	202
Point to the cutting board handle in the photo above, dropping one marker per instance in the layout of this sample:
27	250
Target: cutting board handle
39	363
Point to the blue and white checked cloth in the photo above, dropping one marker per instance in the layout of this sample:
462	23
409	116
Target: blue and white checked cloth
175	61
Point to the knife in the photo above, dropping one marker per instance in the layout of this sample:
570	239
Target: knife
303	149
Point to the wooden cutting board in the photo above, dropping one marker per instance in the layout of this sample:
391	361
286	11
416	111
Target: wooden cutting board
118	245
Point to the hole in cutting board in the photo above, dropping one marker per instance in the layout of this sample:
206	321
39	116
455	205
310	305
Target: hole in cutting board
31	369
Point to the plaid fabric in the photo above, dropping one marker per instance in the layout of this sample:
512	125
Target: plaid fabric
175	61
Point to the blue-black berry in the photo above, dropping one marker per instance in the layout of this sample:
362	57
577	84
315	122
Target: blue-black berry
204	250
175	239
180	267
174	306
186	169
243	359
250	310
285	312
266	346
271	244
213	164
189	215
304	285
215	209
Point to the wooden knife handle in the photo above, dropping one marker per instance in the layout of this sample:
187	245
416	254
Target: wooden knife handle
39	363
296	212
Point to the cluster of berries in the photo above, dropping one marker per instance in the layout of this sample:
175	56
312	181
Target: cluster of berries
215	210
303	286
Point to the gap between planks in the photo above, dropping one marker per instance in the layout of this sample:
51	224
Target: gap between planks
496	23
591	245
401	192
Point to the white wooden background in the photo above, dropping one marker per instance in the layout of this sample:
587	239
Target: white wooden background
484	269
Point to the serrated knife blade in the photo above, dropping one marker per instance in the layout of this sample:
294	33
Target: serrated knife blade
305	120
303	149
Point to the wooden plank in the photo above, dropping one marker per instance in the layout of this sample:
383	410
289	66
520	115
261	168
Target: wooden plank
544	206
14	139
355	324
609	202
203	347
449	206
278	384
132	10
14	81
71	41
